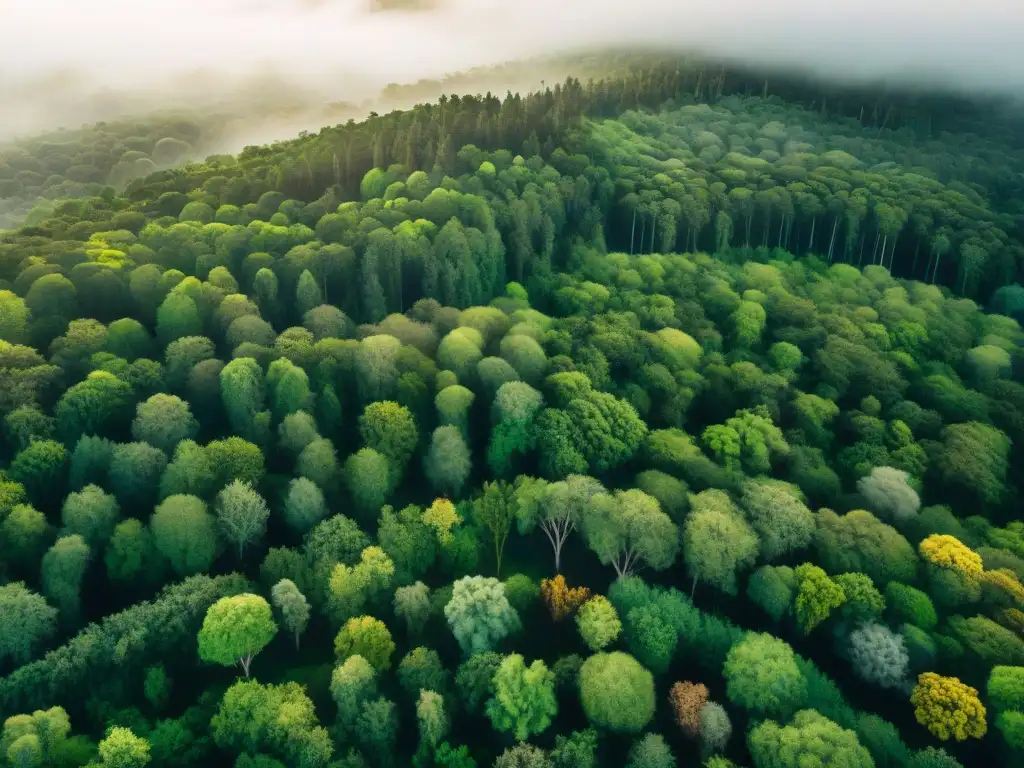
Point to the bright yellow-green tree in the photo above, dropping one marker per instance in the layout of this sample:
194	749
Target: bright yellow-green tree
367	637
235	629
442	517
817	595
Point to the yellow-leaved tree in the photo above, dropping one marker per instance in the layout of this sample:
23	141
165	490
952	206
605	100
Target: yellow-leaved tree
948	708
953	569
949	552
442	517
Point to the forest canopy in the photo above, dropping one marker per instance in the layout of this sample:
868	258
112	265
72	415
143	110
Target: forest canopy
660	419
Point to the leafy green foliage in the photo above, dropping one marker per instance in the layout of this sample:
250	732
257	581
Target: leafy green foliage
809	737
816	596
617	692
448	461
185	533
762	675
63	571
773	590
598	623
524	697
717	542
783	522
367	637
235	630
629	530
123	749
293	607
421	669
907	604
276	718
479	613
389	429
353	683
32	622
368	476
326	324
90	513
858	541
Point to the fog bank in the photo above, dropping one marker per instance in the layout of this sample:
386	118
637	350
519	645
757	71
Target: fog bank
64	62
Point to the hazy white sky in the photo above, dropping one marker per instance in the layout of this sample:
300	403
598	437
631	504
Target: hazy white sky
117	45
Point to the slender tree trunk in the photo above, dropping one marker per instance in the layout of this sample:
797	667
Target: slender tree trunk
296	641
810	240
917	252
693	588
643	233
632	233
860	256
398	282
246	662
499	545
782	223
885	241
750	221
767	227
557	533
874	251
832	240
938	258
624	565
654	229
888	114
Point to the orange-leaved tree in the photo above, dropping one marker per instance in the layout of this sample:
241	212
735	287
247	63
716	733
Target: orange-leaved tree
686	699
562	600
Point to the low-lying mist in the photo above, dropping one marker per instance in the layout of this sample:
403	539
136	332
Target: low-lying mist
65	63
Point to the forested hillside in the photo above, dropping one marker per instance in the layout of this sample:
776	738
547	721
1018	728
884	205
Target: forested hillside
754	172
670	418
75	164
37	172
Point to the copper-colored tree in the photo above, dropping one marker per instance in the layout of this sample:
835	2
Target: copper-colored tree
686	699
562	600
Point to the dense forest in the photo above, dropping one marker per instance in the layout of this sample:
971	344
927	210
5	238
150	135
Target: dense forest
669	417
